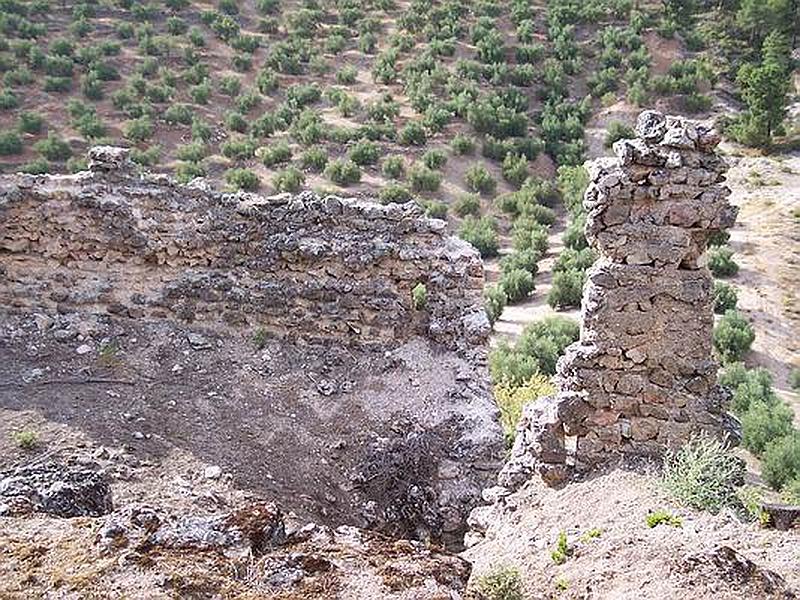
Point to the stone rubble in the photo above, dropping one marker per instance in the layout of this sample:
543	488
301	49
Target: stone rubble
642	377
55	489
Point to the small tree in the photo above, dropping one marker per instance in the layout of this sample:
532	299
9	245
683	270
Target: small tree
567	288
720	261
733	336
517	284
481	233
242	179
725	297
495	300
288	180
480	180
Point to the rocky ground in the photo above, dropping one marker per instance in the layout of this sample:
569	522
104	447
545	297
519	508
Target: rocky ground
614	554
316	428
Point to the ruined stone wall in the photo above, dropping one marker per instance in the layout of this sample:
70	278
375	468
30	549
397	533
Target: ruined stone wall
642	376
302	266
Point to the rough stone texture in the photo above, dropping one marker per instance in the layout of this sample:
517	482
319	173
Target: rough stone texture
56	490
274	337
738	572
642	376
252	551
299	266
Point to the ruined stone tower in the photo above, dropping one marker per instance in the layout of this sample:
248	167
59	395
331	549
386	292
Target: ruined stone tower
642	376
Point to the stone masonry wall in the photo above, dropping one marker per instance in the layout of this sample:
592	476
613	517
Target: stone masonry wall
642	376
109	240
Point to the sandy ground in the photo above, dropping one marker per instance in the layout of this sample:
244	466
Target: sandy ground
766	239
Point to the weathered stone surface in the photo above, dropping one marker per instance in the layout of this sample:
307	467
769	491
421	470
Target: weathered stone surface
300	266
642	377
723	562
56	490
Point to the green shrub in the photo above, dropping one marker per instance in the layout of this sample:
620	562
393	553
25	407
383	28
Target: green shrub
502	583
495	301
536	351
480	180
364	152
462	144
192	152
30	122
721	263
200	93
725	297
266	81
733	336
412	134
236	121
527	233
794	379
791	492
138	130
393	167
53	148
8	100
38	166
248	101
618	131
237	149
147	157
278	153
763	423
179	114
481	233
567	289
719	238
539	214
780	462
662	517
468	204
230	85
515	169
434	159
423	179
517	284
521	259
186	171
419	296
242	179
749	386
562	551
511	400
77	164
435	209
395	193
26	439
346	75
573	235
703	474
10	143
343	172
314	159
288	180
571	259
